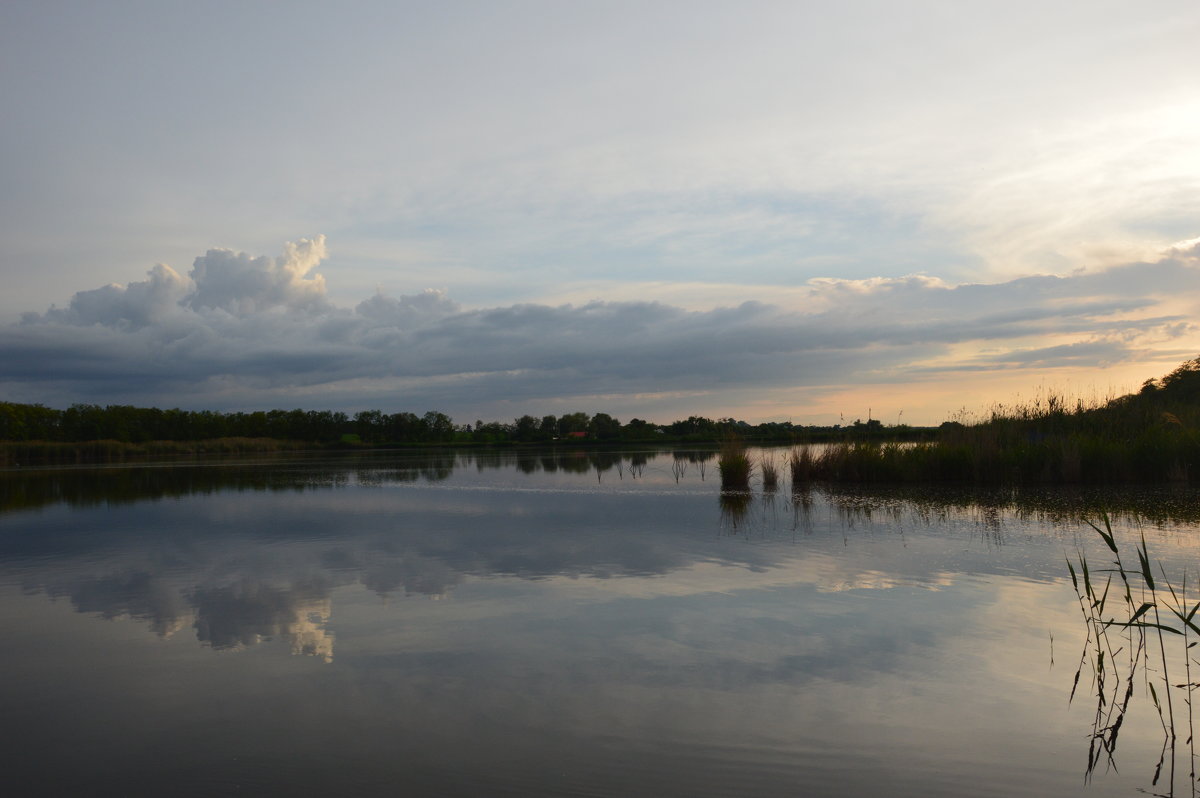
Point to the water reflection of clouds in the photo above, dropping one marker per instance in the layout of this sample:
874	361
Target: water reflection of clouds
224	617
893	639
410	575
265	564
131	594
688	636
233	617
233	600
236	598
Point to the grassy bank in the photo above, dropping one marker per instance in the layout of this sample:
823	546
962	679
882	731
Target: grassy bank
1010	452
1152	436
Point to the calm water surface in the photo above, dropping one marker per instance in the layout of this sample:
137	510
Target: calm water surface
554	624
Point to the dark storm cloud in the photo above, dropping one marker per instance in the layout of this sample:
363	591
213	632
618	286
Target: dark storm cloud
260	329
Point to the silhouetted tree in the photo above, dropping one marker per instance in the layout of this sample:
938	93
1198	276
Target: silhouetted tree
526	428
604	427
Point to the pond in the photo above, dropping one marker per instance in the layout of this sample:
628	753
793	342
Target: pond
557	623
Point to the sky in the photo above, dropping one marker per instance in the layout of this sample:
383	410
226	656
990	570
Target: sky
779	211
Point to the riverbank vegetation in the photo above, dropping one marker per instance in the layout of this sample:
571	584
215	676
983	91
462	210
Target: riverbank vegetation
142	425
1149	436
88	433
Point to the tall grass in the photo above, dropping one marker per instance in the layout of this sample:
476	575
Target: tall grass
769	468
1046	442
802	464
734	464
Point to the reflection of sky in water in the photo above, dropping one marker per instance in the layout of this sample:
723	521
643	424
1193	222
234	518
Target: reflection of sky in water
627	638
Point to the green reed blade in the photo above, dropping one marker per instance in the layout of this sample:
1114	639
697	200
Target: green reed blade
1144	560
1107	535
1141	611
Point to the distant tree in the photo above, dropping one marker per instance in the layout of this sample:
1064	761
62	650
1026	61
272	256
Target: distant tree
694	426
491	432
728	426
604	427
637	429
525	428
440	426
573	422
81	422
20	422
775	430
369	425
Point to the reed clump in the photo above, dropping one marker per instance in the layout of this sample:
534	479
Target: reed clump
1141	628
769	468
1152	436
802	464
734	464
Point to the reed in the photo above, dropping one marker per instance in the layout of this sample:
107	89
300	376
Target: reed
1141	628
802	464
734	464
1056	448
769	468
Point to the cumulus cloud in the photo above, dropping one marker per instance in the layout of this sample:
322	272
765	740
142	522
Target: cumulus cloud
259	331
220	280
407	311
1189	248
124	307
242	285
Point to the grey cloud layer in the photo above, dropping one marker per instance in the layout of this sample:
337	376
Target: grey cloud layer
259	331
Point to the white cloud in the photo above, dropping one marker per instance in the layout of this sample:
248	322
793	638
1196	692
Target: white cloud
128	307
257	331
242	285
604	141
1189	248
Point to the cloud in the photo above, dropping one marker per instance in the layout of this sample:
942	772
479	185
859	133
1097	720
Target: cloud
242	285
238	616
128	307
1185	249
407	311
243	331
220	280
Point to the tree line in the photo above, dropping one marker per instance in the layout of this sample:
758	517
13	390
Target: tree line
128	424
